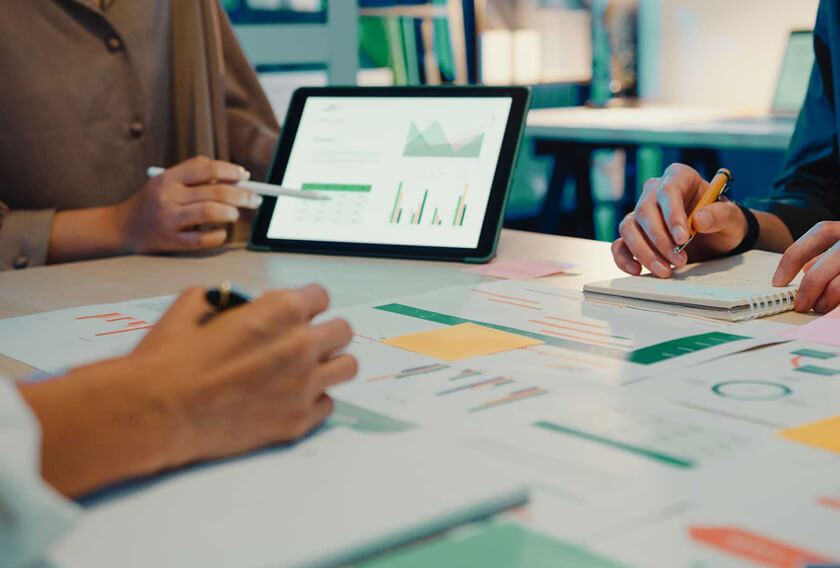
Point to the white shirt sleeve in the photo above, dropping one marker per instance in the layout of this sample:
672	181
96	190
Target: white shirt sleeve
32	514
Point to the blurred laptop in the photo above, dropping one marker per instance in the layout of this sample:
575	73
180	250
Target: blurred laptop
791	84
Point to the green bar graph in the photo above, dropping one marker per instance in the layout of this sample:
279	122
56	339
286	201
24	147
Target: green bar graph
638	450
816	370
457	210
422	206
681	346
336	187
814	354
393	216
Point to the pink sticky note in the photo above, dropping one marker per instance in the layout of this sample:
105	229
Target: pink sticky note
825	330
520	269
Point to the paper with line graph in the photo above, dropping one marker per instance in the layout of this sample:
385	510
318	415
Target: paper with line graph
594	340
56	341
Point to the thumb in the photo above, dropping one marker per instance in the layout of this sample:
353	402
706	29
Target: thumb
717	217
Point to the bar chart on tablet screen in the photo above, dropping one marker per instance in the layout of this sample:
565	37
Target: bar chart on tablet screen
421	205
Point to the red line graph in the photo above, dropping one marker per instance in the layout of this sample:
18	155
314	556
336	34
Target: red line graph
131	323
100	316
523	300
514	304
122	331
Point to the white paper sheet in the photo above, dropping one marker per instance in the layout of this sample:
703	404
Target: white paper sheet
327	500
56	341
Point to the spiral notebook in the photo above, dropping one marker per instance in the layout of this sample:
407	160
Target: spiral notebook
733	288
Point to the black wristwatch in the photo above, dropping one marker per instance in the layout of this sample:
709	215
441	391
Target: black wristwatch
749	240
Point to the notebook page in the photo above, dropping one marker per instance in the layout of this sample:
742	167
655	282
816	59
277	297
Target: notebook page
722	283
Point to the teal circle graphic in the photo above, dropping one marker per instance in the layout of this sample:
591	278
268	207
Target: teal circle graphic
751	390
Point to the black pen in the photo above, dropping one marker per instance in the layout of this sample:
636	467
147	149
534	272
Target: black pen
226	296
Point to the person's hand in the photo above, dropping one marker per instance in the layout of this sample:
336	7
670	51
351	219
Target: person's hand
201	385
248	377
817	252
185	208
659	222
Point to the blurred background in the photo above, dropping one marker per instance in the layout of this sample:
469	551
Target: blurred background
621	88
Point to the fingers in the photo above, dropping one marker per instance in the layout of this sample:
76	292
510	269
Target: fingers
313	298
197	240
277	313
337	370
624	258
810	264
321	410
191	303
201	170
331	336
205	212
669	196
830	297
648	216
220	193
813	286
816	241
681	185
635	240
189	306
716	217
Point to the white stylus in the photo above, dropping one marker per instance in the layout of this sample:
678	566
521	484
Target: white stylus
261	188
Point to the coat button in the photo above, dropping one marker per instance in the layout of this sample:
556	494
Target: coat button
21	261
136	129
113	44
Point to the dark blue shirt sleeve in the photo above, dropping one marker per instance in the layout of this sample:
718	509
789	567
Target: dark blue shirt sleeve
808	189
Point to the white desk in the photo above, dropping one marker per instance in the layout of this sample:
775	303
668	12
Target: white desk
349	280
661	126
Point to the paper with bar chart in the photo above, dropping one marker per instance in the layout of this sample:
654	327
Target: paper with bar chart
423	390
58	340
607	343
590	445
782	386
420	174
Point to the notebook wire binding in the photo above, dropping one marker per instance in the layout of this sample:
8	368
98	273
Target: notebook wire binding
770	305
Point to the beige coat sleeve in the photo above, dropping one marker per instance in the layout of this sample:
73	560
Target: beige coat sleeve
252	127
24	237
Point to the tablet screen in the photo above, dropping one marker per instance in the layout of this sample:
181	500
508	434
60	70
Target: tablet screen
397	170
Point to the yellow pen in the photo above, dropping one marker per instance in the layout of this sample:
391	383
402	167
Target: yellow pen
717	188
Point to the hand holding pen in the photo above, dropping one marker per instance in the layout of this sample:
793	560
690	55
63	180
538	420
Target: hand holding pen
677	217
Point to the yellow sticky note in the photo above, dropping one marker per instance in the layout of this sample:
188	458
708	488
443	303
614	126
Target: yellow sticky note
461	342
824	434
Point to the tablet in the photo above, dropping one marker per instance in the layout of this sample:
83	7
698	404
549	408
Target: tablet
410	172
